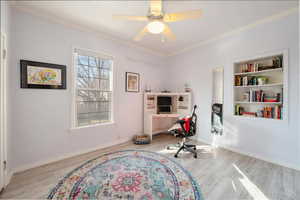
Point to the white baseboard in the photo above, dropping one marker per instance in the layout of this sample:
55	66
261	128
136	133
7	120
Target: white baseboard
65	156
276	162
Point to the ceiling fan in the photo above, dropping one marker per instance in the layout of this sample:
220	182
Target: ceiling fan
157	20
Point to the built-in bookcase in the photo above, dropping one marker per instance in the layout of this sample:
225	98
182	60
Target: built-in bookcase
260	87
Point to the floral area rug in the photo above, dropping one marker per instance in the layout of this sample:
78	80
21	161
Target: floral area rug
130	175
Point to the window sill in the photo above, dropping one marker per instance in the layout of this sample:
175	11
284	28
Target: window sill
92	126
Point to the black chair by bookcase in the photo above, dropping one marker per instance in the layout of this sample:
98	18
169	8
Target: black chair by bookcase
186	129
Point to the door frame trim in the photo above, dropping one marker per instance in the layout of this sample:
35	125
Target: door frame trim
3	108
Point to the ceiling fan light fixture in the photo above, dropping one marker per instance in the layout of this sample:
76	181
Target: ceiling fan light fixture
156	27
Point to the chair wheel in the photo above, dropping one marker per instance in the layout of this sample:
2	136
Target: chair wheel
195	156
195	148
175	156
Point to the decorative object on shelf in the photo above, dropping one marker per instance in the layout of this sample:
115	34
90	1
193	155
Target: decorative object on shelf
181	103
166	91
141	139
41	75
261	80
147	88
180	98
277	61
128	174
187	87
132	82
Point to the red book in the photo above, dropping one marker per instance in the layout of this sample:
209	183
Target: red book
249	113
270	100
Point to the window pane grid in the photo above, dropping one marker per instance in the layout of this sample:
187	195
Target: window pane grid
98	66
93	72
94	90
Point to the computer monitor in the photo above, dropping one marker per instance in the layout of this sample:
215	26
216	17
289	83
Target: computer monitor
164	101
164	104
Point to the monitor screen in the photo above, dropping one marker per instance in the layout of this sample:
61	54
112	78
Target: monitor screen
164	101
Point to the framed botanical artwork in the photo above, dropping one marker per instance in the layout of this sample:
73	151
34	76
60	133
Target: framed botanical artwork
42	75
132	82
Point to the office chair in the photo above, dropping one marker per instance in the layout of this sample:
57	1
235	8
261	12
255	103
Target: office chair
186	129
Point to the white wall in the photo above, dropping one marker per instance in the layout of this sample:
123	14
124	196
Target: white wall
41	119
4	16
275	141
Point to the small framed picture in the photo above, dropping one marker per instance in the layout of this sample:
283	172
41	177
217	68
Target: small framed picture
42	75
132	82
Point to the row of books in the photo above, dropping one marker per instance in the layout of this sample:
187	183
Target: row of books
271	112
249	67
246	68
267	112
276	62
260	96
250	80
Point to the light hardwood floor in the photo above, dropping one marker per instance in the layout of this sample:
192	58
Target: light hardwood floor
221	174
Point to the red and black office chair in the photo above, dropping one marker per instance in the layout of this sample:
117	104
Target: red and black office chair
186	129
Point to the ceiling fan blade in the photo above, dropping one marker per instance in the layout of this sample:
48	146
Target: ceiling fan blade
174	17
168	33
131	18
156	7
141	34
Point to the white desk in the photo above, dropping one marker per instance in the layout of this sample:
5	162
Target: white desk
166	115
156	123
162	123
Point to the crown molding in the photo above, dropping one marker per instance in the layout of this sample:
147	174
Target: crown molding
237	31
88	29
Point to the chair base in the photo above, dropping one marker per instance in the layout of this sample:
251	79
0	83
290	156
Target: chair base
188	147
183	146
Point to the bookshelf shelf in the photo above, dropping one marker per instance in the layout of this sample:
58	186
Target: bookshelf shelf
259	87
255	86
266	103
254	118
279	69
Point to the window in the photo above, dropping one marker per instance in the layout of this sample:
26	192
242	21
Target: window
93	88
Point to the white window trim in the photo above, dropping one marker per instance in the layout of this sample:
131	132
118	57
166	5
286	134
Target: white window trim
73	80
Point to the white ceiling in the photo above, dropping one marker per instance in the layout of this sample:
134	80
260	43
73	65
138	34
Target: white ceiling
218	18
